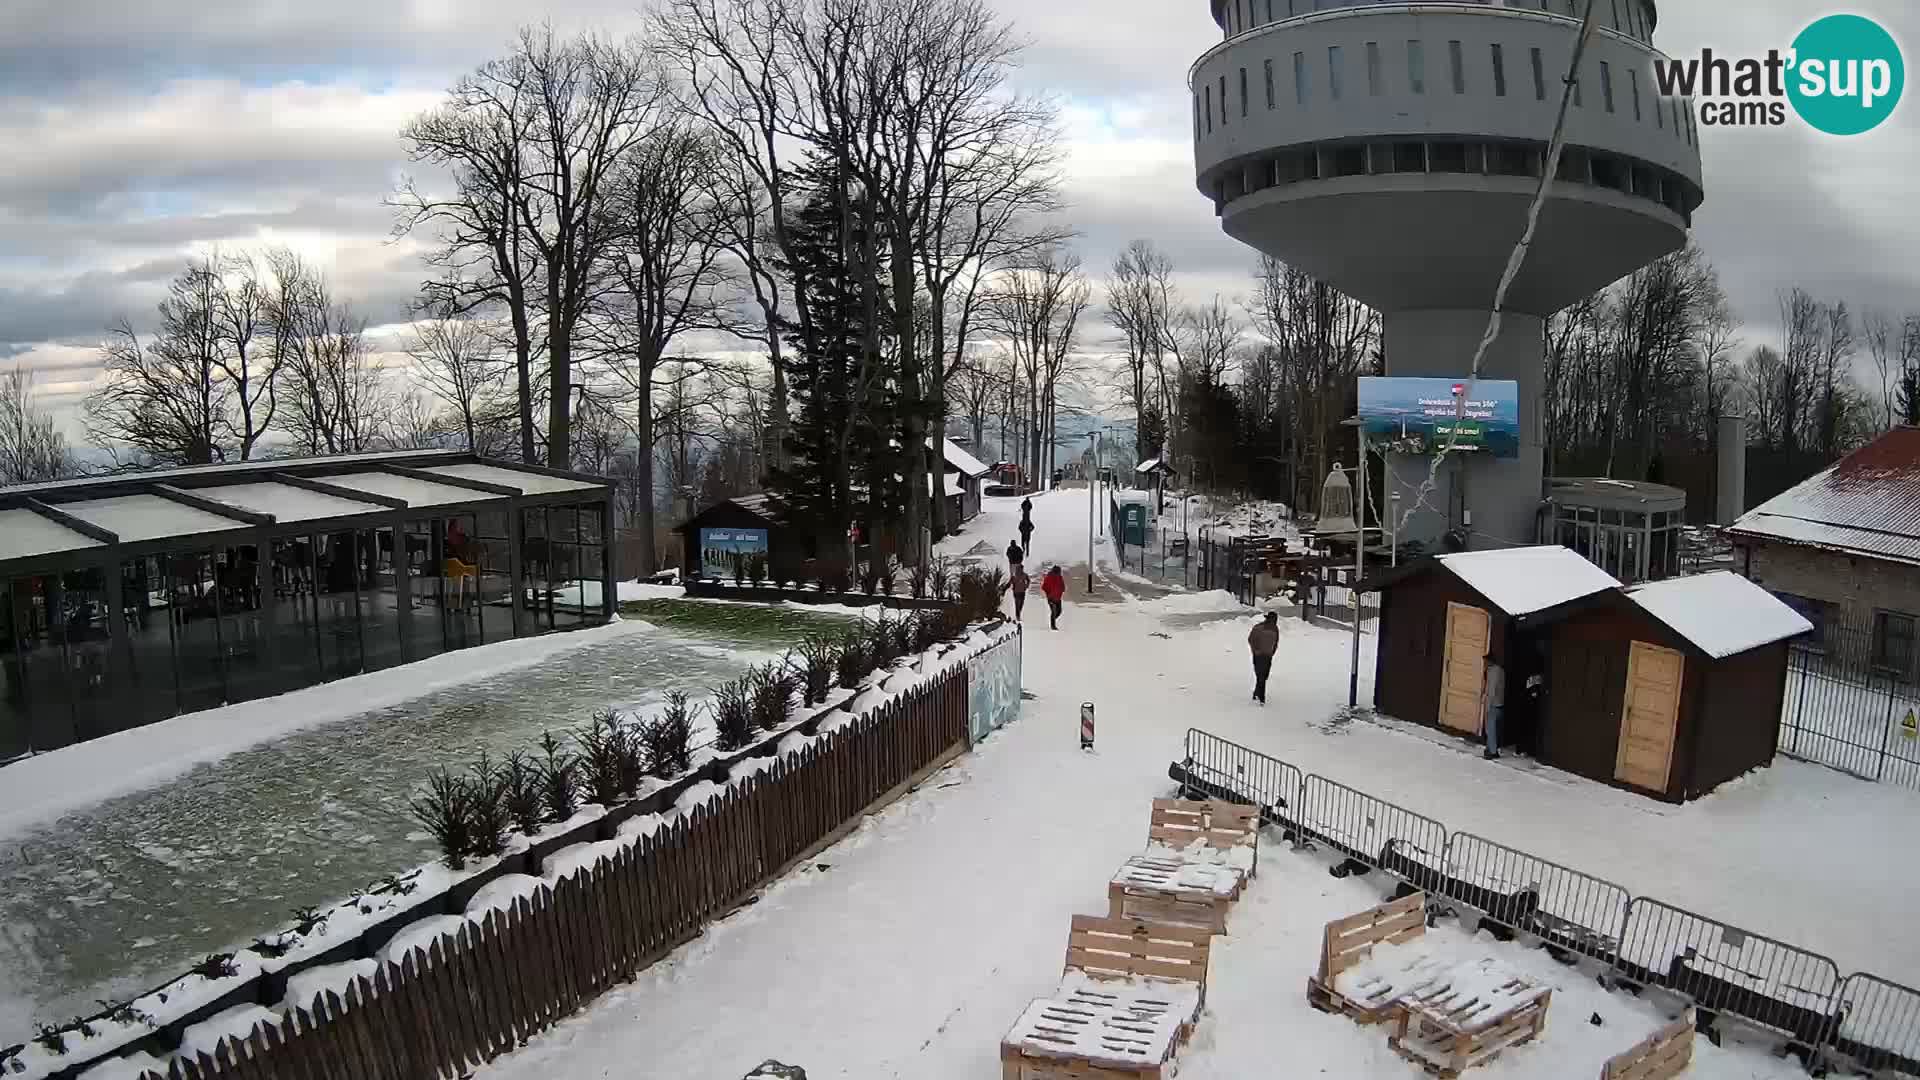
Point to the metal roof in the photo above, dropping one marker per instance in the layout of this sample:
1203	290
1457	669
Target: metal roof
960	459
1867	503
24	534
1600	491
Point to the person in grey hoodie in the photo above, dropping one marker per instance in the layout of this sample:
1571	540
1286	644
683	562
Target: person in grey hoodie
1263	641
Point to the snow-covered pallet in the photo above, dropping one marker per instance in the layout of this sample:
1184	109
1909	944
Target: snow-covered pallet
1449	1033
1206	831
1171	891
1350	941
1130	993
1661	1055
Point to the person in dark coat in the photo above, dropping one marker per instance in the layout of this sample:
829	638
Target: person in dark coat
1018	586
1054	585
1014	556
1026	524
1263	641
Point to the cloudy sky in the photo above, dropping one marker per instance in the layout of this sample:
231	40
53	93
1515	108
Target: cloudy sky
137	133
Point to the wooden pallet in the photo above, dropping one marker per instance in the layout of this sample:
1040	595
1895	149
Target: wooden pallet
1017	1066
1180	823
1170	891
1349	941
1442	1049
1661	1055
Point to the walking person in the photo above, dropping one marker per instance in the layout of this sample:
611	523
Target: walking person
1054	585
1018	586
1014	556
1492	699
1026	524
1263	641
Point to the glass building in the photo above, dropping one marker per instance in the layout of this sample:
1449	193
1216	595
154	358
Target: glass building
1630	529
130	598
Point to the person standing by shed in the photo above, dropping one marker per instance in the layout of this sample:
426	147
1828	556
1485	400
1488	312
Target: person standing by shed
1054	585
1263	641
1493	698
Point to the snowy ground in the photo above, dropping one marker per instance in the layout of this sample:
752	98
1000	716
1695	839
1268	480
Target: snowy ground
909	948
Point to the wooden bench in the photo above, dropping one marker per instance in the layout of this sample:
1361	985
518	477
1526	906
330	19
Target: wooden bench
1661	1055
1210	831
1129	994
1349	941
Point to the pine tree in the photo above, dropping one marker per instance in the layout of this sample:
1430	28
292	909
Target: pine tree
843	426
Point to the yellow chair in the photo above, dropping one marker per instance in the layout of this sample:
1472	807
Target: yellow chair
458	572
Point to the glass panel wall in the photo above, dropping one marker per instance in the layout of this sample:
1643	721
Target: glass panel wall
383	630
192	599
536	566
296	613
247	638
147	690
420	560
338	603
37	713
563	544
462	581
86	631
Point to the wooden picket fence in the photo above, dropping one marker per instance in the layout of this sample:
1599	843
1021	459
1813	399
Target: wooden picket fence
479	993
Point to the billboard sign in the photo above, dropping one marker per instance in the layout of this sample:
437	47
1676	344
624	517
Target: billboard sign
724	552
1419	416
993	688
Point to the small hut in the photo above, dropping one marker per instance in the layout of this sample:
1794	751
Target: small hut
966	479
720	539
1669	688
1443	618
1155	474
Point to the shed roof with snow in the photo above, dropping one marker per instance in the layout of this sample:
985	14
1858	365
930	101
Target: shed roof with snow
1521	581
1867	503
961	460
1720	613
1154	465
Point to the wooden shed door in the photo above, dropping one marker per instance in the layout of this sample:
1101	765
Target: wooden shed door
1463	673
1649	715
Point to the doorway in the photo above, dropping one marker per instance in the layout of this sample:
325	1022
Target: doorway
1649	716
1463	671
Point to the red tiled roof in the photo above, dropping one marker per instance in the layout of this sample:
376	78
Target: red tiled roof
1867	503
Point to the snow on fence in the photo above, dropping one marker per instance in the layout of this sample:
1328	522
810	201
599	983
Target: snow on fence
520	965
1864	1020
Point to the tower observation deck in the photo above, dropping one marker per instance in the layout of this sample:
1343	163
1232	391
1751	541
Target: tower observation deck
1391	150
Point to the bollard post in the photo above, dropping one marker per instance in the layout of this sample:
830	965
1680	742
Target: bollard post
1086	725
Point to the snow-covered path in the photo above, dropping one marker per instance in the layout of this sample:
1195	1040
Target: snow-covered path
907	949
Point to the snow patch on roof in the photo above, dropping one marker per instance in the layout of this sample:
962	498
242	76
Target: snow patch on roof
962	460
1521	581
1722	613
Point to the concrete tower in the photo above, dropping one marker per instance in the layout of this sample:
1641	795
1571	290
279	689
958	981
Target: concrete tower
1391	149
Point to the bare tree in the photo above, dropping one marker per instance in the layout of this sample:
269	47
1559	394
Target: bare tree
32	449
1036	306
456	359
238	309
166	396
333	396
1141	306
1883	348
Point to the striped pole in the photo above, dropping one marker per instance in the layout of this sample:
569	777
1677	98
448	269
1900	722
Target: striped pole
1086	725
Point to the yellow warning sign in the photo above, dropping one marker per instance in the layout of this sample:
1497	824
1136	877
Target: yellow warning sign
1910	725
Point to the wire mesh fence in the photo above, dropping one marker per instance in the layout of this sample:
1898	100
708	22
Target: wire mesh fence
1864	1020
1849	696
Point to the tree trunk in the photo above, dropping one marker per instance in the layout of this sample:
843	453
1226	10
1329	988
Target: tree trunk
643	473
912	394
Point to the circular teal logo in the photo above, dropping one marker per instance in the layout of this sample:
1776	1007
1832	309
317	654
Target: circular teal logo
1847	74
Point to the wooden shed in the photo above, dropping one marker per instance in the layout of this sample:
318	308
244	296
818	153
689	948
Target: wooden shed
1442	618
1670	688
733	529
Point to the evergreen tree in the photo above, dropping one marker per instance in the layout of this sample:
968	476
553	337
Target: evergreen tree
1906	396
844	427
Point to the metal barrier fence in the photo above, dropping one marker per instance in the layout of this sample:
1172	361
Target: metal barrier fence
1879	1025
1844	710
1562	906
1863	1020
1726	969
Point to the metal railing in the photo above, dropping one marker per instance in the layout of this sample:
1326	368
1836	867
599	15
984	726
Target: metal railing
1861	1020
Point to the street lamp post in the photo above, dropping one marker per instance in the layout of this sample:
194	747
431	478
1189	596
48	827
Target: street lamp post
1093	445
1359	563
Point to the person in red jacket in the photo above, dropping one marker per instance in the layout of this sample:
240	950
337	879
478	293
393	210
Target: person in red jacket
1054	585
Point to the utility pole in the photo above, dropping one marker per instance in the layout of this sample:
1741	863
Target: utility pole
1093	444
1359	567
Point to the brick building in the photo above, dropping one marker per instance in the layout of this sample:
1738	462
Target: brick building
1843	548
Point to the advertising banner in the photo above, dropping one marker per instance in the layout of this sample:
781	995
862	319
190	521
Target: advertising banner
993	689
724	552
1418	416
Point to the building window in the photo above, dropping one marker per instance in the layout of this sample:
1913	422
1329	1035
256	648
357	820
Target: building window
1242	5
1577	102
1243	91
1459	68
1606	85
1660	114
1633	81
1410	157
1196	118
1539	77
1893	633
1267	73
1333	71
1499	73
1223	100
1416	67
1269	18
1208	92
1373	68
1299	78
1617	23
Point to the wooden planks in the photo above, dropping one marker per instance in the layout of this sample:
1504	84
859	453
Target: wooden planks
1663	1054
1430	1040
1125	947
1349	941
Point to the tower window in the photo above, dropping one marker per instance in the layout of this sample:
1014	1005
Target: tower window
1373	68
1299	78
1633	81
1539	77
1223	101
1243	91
1333	72
1499	72
1416	67
1606	85
1207	92
1267	73
1459	68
